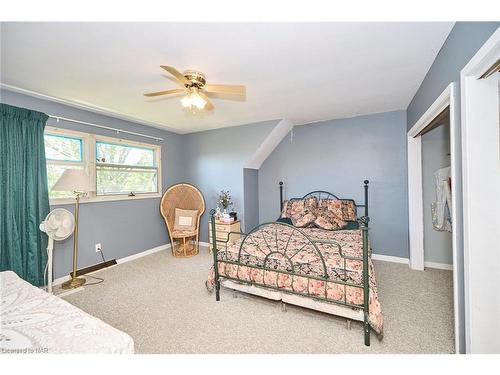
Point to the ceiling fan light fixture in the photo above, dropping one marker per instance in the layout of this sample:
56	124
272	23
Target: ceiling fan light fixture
194	84
193	100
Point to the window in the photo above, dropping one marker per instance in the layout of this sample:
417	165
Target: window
119	169
123	169
62	152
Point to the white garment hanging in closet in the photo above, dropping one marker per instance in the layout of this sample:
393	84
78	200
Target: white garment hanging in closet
441	208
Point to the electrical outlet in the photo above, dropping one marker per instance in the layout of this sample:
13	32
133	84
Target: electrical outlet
98	247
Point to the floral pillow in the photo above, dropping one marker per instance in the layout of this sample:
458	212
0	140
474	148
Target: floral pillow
334	206
296	206
299	205
303	219
329	215
348	210
345	208
327	220
323	221
286	209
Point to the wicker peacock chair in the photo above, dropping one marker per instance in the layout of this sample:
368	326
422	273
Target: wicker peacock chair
185	243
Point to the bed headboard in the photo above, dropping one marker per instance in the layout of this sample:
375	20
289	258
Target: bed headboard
321	194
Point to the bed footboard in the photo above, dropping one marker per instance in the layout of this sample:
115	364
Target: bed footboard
278	260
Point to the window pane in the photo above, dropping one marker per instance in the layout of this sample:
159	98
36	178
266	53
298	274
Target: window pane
116	180
110	153
53	174
63	148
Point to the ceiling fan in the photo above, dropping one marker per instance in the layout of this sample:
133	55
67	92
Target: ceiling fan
196	89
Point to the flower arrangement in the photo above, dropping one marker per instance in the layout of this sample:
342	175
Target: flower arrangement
224	199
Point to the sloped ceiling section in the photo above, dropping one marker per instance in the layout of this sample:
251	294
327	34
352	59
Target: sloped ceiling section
269	144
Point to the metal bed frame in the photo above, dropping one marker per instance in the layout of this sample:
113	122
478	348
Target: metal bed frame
363	223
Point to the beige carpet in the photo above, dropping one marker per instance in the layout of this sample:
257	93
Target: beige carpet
162	303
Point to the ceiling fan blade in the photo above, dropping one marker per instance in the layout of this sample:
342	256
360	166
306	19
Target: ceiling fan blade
209	106
166	92
226	89
178	75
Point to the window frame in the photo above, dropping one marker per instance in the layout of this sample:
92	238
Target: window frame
90	165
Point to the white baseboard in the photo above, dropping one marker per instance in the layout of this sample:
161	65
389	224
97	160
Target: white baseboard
393	259
390	258
439	266
143	253
202	243
61	280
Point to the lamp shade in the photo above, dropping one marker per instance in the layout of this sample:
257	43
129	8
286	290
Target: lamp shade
73	180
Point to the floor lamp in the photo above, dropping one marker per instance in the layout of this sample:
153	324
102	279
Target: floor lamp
77	181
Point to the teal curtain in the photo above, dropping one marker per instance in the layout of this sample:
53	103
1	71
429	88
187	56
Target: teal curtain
24	197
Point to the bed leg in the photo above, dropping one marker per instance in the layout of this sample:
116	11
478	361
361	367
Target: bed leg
214	247
367	328
348	322
235	294
283	306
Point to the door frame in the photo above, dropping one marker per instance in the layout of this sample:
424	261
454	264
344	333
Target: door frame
478	111
448	98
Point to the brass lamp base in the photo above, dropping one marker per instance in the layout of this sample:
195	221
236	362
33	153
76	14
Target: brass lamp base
73	283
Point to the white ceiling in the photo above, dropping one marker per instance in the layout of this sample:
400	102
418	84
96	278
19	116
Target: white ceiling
303	72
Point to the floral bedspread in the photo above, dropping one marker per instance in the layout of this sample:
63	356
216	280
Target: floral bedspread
284	248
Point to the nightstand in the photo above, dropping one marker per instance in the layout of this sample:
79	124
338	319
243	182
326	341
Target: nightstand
222	233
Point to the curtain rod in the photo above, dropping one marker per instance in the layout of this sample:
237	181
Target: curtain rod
57	118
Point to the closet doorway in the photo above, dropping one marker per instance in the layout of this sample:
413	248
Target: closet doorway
436	185
441	112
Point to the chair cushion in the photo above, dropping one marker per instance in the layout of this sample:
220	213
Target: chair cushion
185	219
184	233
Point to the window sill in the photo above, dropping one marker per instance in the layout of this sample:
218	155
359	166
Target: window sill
66	201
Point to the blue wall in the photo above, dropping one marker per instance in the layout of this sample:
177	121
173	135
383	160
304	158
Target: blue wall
214	161
337	156
464	41
251	197
122	227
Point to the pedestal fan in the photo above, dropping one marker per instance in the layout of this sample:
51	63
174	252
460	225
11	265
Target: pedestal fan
58	225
